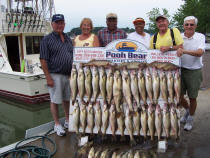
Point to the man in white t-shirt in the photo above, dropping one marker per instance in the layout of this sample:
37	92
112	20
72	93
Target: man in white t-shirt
191	72
139	35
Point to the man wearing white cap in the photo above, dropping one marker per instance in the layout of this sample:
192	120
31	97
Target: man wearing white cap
111	32
191	63
139	35
166	39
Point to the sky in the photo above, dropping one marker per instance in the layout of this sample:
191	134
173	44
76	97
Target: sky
127	10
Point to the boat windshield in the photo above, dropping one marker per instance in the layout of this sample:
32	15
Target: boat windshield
33	44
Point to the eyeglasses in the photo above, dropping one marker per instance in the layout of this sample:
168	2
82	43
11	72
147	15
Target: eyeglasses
189	24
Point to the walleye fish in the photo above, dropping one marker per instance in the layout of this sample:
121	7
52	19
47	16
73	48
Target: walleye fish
163	86
81	83
136	120
88	83
76	116
102	83
98	153
151	121
174	121
163	66
112	120
149	85
83	117
91	153
98	117
137	154
109	85
104	153
177	85
117	89
105	118
73	83
130	154
141	85
127	88
98	63
129	126
166	120
158	121
121	123
155	85
170	85
95	83
144	119
134	87
90	118
114	155
131	65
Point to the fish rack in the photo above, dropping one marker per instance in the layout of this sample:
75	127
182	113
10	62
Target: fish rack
170	106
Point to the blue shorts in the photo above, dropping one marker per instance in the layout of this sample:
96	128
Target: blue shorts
61	90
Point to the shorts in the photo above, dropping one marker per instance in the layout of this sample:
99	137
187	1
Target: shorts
61	90
190	82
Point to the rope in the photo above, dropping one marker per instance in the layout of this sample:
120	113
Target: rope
28	151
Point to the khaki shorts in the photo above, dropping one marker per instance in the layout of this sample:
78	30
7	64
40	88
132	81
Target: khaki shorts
61	90
190	82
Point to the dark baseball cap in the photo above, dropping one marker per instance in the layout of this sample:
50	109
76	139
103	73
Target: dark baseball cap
58	17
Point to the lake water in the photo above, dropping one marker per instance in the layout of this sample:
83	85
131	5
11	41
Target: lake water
16	118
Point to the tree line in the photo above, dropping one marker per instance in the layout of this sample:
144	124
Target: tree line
197	8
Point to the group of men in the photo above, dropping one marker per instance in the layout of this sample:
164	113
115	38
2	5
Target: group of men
56	56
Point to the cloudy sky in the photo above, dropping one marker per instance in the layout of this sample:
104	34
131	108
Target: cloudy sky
127	10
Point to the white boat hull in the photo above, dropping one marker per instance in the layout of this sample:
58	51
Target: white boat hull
27	88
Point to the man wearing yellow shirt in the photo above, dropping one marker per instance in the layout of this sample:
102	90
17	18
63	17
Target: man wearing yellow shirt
166	39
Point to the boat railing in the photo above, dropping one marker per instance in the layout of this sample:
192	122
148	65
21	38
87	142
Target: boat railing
16	22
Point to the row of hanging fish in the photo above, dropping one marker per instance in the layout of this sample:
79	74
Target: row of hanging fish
102	119
111	153
89	150
143	85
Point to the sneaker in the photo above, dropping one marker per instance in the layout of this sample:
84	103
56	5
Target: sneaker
59	130
66	124
184	118
189	123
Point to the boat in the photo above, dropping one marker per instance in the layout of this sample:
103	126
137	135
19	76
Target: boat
23	24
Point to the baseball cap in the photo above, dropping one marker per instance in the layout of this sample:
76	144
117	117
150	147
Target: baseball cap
161	16
138	20
111	15
58	17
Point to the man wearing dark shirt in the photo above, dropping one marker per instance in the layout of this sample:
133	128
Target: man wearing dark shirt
56	57
111	32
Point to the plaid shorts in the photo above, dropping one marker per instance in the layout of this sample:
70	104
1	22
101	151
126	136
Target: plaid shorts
190	82
61	90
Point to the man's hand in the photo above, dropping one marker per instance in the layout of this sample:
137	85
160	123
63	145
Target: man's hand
50	82
164	49
179	52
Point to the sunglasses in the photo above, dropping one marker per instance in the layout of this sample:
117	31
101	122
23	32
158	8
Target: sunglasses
189	24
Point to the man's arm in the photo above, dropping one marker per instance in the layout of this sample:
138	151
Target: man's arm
196	53
170	48
49	79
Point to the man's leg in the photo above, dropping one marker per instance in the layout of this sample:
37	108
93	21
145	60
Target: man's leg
54	111
185	104
193	105
66	109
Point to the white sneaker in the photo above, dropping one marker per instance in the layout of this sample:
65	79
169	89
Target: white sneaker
66	124
184	117
189	123
59	130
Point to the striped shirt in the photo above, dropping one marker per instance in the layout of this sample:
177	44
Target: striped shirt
105	36
58	54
